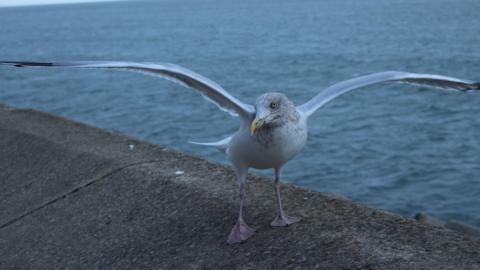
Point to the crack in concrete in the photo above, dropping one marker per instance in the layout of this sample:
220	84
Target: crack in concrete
72	191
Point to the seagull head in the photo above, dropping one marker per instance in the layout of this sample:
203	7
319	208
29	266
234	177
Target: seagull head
271	110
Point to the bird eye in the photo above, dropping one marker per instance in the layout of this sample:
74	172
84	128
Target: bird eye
273	105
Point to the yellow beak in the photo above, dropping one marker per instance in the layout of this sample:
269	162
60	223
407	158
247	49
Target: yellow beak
256	124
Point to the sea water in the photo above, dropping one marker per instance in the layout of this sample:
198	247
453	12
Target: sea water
403	148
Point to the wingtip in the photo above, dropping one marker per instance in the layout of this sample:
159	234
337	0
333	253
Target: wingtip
476	86
25	64
471	87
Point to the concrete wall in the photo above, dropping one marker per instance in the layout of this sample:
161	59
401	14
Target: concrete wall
77	197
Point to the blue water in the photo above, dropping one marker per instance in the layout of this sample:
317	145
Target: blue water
398	147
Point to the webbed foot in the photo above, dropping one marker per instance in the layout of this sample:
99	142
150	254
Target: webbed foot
282	220
240	233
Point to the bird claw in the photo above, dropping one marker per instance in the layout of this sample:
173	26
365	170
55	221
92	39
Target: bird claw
240	233
282	220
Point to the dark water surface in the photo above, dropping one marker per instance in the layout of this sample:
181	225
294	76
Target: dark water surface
399	147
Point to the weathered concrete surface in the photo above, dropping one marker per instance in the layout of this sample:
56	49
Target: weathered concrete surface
76	197
450	224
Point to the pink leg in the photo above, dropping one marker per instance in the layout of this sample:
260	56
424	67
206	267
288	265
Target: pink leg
282	219
241	231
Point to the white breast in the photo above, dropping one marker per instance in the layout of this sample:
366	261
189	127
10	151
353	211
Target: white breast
272	149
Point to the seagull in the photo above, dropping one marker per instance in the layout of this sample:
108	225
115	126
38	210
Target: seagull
272	131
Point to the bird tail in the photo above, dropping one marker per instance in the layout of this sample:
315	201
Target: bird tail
221	145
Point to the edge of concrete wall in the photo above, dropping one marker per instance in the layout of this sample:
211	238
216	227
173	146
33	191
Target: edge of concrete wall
79	197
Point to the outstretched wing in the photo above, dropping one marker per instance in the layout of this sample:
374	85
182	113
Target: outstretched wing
338	89
209	89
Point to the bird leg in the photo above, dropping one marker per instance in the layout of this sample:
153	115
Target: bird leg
282	219
241	231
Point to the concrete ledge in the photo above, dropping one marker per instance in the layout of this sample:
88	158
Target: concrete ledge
78	197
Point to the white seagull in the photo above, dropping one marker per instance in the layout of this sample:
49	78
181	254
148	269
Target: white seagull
272	131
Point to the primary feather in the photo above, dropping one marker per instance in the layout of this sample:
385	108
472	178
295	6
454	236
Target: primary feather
209	89
341	88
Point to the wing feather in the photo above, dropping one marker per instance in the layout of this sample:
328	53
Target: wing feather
341	88
209	89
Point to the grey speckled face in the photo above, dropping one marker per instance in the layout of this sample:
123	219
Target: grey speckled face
273	110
